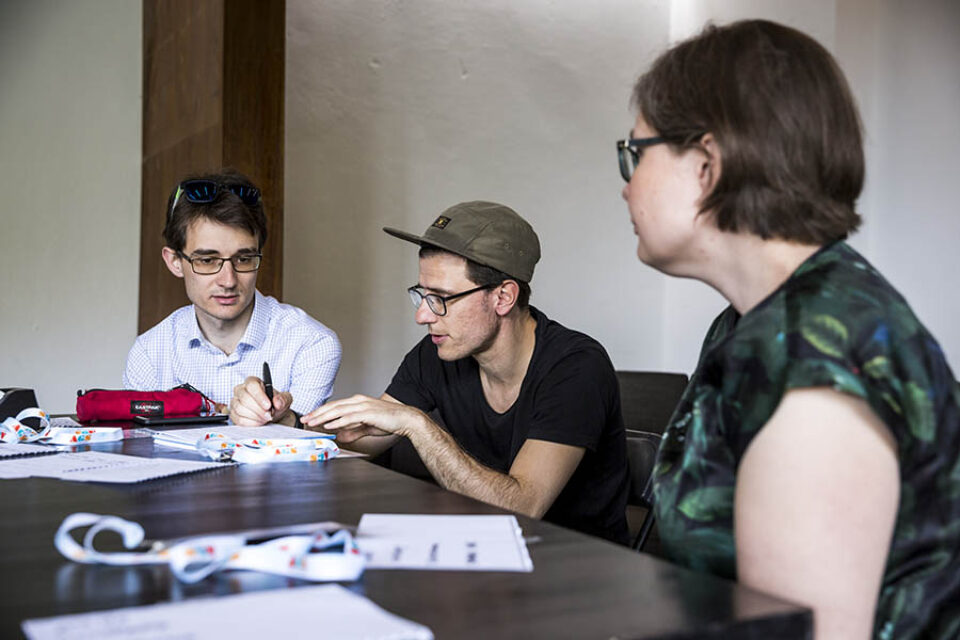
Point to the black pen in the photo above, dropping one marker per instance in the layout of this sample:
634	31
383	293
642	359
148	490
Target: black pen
268	385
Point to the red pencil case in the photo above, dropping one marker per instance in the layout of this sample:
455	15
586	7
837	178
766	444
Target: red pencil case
107	404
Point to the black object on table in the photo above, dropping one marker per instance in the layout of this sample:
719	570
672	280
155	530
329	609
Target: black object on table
581	587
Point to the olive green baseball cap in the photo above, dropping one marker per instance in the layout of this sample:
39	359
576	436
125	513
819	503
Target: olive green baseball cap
488	233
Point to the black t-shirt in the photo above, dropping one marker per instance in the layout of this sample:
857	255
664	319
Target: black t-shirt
569	396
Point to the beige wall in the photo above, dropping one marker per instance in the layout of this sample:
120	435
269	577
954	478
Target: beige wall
396	110
914	95
70	178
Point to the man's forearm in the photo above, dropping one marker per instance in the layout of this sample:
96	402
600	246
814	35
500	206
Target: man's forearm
455	470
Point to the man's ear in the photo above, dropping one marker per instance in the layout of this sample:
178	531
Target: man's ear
506	292
710	164
173	261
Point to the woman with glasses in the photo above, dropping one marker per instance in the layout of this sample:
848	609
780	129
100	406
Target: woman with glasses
816	452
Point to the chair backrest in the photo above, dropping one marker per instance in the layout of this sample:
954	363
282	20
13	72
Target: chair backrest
641	454
642	449
648	398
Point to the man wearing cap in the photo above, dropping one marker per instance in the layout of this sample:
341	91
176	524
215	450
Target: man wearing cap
531	409
214	236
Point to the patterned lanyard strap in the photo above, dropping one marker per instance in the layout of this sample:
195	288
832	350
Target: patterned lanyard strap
222	448
316	556
13	430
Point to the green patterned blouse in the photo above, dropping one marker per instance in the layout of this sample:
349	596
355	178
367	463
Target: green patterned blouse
836	322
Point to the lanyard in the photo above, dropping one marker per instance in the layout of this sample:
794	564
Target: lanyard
13	430
315	556
222	448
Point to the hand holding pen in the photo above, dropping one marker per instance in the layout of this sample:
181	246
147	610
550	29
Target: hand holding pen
255	402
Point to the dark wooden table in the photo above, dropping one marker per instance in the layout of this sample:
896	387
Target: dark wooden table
581	587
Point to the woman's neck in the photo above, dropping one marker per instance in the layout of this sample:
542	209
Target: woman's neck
745	268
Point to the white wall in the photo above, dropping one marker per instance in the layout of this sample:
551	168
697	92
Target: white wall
916	170
397	109
70	85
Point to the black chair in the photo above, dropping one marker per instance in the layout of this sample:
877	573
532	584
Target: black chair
641	455
403	458
648	399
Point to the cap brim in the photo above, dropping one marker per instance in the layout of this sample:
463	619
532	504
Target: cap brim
403	235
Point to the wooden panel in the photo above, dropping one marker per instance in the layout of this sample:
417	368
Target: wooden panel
183	60
254	58
192	50
160	291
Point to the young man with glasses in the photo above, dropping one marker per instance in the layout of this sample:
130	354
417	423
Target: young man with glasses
531	409
214	236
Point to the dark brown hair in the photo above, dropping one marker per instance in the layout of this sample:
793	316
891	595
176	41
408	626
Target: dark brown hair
785	122
226	208
482	275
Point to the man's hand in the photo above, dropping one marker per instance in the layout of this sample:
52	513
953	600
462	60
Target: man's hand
250	406
359	416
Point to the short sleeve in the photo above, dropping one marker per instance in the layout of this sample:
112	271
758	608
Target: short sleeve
574	399
823	372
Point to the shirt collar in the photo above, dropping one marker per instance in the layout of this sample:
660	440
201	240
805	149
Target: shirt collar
253	337
192	335
256	333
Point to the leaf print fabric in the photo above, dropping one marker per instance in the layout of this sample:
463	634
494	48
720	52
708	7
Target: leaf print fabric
836	323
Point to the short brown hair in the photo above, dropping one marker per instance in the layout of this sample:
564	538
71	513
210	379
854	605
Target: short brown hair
783	117
226	208
481	275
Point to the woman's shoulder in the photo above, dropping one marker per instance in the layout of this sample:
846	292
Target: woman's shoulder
834	302
836	323
840	283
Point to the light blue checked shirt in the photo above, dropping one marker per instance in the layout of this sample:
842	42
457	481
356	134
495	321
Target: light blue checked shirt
303	354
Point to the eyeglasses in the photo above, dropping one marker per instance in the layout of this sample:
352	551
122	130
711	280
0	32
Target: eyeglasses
209	265
629	151
203	191
437	303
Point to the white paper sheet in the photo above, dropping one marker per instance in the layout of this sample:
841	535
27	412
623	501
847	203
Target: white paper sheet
98	466
15	449
284	613
442	542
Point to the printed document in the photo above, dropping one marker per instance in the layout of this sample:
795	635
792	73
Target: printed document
467	542
98	466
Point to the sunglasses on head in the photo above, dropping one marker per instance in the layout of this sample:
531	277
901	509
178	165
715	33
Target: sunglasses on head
204	191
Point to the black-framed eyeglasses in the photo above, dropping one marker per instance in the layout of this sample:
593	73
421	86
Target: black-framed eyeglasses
629	151
204	191
210	265
438	303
